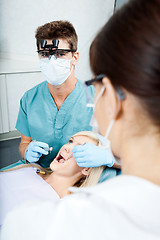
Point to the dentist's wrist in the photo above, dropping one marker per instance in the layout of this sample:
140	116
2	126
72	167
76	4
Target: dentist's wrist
25	152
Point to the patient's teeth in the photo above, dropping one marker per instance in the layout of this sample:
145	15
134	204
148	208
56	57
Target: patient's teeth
62	156
61	161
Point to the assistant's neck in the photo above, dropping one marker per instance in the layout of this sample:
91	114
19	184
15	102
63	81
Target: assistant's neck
60	93
61	184
141	157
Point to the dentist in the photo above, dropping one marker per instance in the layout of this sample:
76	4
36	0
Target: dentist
51	112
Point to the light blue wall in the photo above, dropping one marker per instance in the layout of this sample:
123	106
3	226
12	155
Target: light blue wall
19	20
119	3
19	63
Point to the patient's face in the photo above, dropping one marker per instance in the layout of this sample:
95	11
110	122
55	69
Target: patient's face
69	167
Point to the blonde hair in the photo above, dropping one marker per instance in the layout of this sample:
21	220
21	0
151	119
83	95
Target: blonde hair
95	173
86	181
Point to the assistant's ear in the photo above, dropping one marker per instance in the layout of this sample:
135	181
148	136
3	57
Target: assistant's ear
75	58
111	98
86	171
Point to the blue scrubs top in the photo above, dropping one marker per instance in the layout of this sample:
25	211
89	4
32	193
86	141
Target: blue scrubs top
40	119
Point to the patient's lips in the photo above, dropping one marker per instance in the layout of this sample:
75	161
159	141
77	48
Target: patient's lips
60	158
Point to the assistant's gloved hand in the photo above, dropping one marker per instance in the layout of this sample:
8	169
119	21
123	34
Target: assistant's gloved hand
35	150
89	155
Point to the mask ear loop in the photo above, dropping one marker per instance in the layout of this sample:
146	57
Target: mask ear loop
120	96
92	105
99	95
109	128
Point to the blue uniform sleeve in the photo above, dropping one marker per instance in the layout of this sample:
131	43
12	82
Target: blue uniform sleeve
22	120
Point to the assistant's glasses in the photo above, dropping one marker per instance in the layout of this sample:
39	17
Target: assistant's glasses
90	97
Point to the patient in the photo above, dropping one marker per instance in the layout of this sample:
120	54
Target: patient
23	183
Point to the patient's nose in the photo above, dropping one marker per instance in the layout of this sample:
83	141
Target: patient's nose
67	148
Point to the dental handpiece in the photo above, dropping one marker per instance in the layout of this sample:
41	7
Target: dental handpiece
48	149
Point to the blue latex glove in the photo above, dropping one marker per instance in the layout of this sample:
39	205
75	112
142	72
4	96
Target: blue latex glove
89	155
35	150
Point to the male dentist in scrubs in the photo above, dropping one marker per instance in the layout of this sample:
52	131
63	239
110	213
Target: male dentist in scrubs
51	112
54	110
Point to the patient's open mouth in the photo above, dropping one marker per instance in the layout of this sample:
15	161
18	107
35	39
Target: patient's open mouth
60	158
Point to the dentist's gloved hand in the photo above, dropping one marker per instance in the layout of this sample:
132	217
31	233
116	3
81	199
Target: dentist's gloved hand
89	155
35	150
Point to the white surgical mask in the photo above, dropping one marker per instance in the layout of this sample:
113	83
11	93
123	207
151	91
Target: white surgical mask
104	139
93	122
107	144
55	70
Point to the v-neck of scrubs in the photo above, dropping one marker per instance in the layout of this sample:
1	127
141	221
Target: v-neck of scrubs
69	101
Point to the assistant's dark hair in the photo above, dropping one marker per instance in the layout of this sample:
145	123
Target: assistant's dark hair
57	29
127	51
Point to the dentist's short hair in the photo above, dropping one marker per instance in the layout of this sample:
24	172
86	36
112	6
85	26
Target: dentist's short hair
57	30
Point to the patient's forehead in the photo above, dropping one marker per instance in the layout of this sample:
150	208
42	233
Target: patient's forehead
83	139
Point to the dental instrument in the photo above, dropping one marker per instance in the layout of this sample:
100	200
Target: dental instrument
40	171
45	148
48	149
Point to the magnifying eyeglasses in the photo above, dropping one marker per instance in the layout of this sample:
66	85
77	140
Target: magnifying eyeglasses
52	49
56	52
